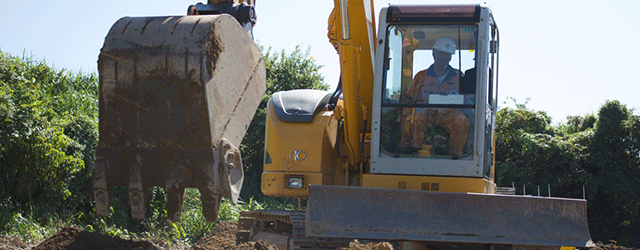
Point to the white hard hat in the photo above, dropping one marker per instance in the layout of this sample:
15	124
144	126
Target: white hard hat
445	44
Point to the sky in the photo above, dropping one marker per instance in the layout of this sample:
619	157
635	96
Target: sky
562	57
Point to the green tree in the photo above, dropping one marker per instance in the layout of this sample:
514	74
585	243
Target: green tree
600	152
614	175
530	151
297	70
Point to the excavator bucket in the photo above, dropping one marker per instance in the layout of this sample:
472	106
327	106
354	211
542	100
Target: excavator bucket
177	95
446	218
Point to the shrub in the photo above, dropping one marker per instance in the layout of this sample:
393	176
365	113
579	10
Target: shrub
47	134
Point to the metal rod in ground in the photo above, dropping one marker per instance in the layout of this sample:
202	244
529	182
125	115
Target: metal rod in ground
549	189
584	197
538	190
524	189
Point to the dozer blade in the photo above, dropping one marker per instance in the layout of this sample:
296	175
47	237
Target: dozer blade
177	95
408	215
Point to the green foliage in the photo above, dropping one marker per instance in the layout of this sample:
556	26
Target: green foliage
29	228
599	152
532	152
39	159
578	123
614	175
294	71
193	224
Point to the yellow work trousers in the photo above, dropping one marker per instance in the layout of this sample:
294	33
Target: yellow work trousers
415	121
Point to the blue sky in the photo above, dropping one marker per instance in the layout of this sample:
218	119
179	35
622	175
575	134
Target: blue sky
566	57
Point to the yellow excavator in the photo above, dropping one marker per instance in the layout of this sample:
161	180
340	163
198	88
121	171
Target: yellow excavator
402	151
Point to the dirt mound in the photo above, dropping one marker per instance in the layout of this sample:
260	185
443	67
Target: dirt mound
612	246
73	238
371	246
223	236
7	243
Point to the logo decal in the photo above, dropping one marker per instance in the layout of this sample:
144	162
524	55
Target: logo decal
297	155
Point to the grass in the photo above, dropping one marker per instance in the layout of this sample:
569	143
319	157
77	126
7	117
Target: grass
155	227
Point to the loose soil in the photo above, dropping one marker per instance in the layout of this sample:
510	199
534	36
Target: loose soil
9	243
222	237
612	246
73	238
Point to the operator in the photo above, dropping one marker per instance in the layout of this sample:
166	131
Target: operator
442	79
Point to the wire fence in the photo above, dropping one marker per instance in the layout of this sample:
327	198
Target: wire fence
532	192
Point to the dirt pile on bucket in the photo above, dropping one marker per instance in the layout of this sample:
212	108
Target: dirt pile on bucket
74	238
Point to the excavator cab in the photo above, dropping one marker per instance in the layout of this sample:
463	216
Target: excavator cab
436	109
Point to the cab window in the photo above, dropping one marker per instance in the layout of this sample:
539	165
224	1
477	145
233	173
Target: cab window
428	107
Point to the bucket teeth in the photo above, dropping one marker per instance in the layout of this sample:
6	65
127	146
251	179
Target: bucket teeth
175	199
137	201
100	190
137	197
233	171
210	205
174	191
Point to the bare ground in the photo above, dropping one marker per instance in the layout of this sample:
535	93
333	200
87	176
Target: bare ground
222	237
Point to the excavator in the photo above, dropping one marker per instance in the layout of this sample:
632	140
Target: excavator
402	151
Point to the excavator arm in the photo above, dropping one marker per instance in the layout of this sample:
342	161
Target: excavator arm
352	33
